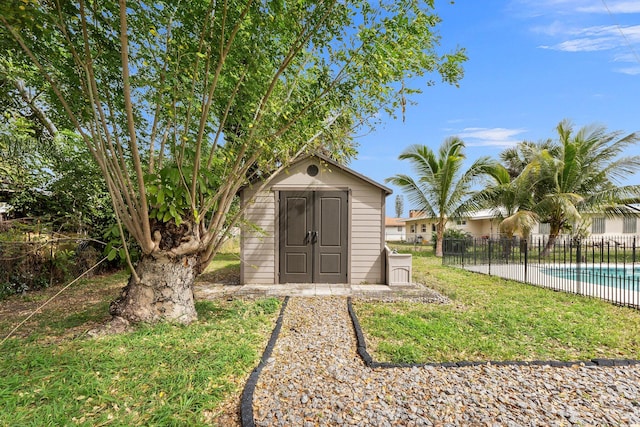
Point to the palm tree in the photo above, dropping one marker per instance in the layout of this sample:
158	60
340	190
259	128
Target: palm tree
511	200
441	188
582	175
515	159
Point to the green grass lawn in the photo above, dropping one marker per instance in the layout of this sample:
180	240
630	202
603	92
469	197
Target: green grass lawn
156	375
495	319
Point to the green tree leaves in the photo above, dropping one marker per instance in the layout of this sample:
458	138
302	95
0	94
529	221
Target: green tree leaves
209	96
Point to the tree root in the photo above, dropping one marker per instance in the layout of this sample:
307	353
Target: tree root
113	326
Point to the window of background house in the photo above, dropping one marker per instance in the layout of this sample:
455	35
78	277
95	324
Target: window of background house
629	224
424	228
597	226
399	228
461	222
544	228
413	228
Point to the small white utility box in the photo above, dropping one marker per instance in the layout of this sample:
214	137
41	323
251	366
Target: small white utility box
398	268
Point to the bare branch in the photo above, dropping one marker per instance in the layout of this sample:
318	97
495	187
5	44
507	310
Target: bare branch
225	115
146	241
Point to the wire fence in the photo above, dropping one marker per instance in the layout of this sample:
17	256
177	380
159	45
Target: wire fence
607	267
43	261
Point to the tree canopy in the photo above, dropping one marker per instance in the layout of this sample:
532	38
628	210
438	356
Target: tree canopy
189	100
183	102
582	172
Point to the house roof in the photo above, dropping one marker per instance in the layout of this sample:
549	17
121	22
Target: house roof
417	218
393	222
477	215
490	213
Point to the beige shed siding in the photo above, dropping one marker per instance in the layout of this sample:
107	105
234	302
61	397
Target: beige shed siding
365	210
258	255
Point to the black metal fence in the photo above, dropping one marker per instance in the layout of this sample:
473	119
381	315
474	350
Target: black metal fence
606	267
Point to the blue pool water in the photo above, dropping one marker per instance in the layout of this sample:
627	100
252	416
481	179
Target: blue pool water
618	277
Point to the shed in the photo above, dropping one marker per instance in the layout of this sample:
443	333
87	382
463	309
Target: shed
315	222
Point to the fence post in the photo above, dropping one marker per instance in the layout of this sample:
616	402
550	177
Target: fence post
539	260
578	263
634	284
489	272
50	263
526	258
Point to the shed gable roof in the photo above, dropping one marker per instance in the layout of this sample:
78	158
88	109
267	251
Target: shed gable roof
329	161
344	169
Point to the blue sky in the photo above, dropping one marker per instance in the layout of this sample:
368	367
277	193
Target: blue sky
531	64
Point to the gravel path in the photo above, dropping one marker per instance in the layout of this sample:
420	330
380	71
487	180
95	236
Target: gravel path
315	377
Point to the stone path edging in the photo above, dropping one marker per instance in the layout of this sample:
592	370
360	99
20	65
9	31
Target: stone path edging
246	406
246	401
369	362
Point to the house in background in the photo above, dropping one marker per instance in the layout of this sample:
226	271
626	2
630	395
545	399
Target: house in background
486	223
483	223
601	225
315	222
478	224
394	230
418	228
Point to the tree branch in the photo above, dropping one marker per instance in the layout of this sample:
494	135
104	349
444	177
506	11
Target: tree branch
146	242
30	101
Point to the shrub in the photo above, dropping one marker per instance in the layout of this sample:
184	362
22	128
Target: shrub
455	241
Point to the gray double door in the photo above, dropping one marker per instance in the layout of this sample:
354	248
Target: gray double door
313	236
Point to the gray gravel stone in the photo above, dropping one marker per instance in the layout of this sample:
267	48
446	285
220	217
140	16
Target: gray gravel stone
317	378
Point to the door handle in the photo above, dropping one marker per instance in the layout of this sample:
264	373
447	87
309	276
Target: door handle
314	236
307	238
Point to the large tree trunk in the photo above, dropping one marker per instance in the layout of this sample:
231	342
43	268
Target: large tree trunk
164	292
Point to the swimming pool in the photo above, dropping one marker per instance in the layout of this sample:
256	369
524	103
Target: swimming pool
617	277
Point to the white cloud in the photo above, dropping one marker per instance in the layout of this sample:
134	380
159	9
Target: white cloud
555	29
631	32
568	26
570	7
596	38
583	45
624	57
632	71
494	137
613	6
